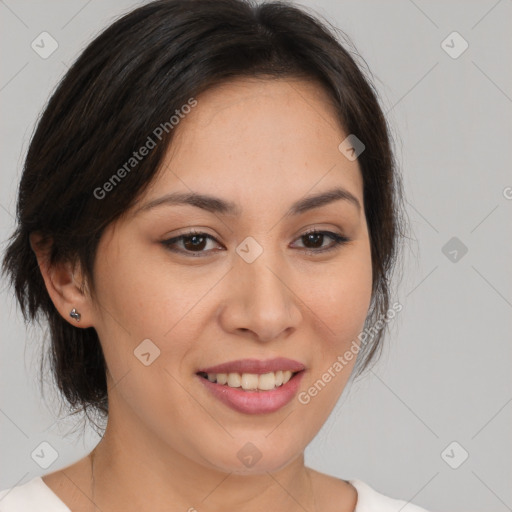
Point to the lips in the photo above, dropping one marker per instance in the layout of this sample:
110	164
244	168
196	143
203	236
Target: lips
250	386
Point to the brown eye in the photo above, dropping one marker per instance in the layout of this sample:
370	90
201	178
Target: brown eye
195	242
192	242
314	241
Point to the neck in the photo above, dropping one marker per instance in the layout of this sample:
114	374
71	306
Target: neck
132	470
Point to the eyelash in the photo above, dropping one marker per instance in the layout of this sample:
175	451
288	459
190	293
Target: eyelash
338	240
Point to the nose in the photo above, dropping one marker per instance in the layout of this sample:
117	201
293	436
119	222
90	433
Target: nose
261	302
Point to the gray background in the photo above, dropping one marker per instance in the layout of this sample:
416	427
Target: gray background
445	374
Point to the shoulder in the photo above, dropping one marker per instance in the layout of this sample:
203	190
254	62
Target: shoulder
369	500
32	496
355	496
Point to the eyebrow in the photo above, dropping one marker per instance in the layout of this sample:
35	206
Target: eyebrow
228	208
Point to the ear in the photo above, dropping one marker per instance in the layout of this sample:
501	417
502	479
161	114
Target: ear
64	283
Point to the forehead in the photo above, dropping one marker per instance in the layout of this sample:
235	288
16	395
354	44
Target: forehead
274	138
259	103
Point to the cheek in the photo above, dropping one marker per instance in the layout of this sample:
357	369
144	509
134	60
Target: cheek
138	298
145	335
340	302
340	299
140	301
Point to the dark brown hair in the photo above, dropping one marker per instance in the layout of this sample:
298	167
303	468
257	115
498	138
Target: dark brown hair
131	79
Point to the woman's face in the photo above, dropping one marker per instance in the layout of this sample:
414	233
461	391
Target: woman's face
251	286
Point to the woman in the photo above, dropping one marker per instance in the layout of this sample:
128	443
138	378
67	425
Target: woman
209	218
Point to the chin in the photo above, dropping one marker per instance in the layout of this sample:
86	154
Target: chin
253	457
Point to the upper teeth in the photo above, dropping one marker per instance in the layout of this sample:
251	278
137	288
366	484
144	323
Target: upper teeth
249	381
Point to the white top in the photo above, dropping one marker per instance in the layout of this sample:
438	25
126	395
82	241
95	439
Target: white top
36	496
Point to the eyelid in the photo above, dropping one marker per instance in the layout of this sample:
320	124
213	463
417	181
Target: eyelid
338	240
168	243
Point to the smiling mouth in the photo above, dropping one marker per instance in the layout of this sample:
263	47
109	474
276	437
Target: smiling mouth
251	381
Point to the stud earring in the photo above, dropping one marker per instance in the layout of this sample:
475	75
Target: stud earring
75	314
